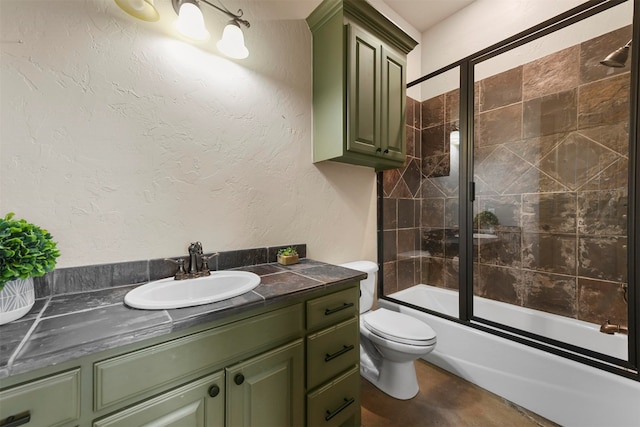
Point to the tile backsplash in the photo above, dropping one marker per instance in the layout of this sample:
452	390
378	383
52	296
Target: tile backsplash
93	277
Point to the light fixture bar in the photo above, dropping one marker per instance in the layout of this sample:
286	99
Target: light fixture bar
237	17
234	16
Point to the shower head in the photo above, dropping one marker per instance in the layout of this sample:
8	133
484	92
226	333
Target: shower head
618	57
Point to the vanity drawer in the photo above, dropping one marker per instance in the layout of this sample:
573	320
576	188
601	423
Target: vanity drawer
50	401
337	403
144	372
332	308
331	351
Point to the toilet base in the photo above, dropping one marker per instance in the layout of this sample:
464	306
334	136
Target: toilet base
398	380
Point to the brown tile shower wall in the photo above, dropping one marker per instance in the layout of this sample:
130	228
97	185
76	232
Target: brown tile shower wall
550	160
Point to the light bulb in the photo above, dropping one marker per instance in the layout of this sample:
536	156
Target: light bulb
232	42
191	22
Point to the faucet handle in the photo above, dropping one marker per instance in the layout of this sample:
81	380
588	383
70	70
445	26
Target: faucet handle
205	264
180	274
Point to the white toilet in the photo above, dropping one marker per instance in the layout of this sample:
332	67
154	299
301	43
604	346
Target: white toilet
389	341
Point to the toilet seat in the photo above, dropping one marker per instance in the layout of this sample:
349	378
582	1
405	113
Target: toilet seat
399	327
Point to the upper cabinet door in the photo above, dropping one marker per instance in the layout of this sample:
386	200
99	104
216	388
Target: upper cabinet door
393	135
363	77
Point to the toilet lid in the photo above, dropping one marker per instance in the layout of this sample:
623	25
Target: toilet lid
399	327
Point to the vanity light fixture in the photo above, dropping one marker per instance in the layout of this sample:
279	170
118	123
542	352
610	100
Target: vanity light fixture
191	22
617	58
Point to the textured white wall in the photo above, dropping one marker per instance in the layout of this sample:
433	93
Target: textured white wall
127	143
481	24
486	22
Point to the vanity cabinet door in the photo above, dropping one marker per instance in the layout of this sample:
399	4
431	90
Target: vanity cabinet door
268	389
197	404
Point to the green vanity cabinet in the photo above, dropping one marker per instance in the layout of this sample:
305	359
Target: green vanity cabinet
359	85
264	390
274	365
141	373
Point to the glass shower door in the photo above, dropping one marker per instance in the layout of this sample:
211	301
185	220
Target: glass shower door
420	200
550	163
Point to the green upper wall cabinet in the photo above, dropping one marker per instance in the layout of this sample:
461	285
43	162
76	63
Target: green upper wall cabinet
359	85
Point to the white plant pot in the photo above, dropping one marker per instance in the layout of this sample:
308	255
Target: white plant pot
16	299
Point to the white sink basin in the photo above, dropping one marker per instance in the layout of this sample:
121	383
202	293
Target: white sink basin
169	293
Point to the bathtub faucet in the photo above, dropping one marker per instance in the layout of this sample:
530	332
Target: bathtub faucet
610	329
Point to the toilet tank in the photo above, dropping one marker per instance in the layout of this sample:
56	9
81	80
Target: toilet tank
368	285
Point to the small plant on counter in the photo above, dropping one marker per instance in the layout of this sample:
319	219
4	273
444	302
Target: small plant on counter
26	250
485	219
288	256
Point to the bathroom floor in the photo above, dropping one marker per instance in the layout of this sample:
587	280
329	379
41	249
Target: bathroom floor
444	400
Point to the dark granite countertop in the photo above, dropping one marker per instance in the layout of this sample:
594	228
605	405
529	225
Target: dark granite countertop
64	327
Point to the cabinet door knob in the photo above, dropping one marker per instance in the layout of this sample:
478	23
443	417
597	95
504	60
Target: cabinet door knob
214	390
238	379
386	151
378	150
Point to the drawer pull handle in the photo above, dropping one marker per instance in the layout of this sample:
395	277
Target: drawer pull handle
342	407
238	379
17	420
345	348
214	390
330	311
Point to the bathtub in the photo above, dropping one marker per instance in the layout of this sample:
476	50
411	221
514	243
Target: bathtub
561	390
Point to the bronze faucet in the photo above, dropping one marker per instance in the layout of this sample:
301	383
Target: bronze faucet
610	329
195	251
196	256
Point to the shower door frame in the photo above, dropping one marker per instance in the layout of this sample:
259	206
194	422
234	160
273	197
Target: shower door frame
629	368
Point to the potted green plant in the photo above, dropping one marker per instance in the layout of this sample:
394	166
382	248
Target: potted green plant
26	251
288	256
485	220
